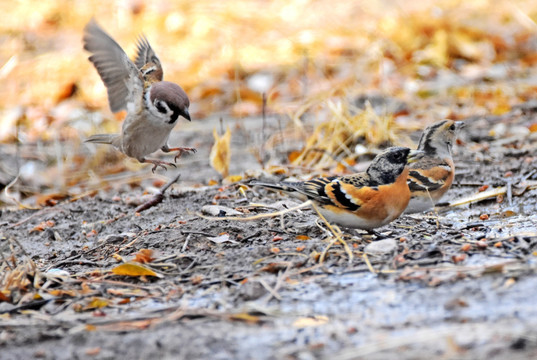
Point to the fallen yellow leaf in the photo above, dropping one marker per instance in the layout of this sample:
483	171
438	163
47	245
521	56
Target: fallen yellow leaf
251	319
220	153
132	269
96	303
310	321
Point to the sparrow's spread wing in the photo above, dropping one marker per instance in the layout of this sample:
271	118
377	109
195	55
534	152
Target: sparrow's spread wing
119	74
146	55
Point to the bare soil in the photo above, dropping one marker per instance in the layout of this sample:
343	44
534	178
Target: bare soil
261	292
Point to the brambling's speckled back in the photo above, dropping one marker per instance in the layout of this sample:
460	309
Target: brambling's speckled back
431	176
153	105
366	200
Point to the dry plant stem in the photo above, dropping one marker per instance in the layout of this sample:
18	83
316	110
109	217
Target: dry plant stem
272	291
264	117
337	238
157	198
434	209
256	217
12	198
368	263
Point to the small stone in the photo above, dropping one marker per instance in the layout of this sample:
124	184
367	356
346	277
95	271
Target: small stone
218	210
381	247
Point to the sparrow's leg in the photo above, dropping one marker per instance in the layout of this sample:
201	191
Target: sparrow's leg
157	163
181	150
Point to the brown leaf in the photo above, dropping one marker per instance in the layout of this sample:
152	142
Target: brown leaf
42	226
144	256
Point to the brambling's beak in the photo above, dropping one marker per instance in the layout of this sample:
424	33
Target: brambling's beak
414	155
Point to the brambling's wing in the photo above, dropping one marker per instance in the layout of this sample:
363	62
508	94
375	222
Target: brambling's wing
429	175
119	74
347	192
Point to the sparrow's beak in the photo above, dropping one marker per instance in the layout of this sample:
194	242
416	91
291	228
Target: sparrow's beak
414	155
186	114
459	125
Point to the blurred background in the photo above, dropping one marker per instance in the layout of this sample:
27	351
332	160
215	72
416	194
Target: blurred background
345	73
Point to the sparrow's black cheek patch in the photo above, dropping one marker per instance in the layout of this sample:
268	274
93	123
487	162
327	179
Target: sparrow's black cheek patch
160	105
175	114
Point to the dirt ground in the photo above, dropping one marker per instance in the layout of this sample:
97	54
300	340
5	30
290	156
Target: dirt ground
256	289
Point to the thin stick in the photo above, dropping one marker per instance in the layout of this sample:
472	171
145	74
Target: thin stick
264	117
338	238
368	263
259	216
158	197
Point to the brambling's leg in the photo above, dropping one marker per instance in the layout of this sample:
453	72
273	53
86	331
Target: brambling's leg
157	163
181	150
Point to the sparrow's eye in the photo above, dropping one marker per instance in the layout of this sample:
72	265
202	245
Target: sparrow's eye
452	127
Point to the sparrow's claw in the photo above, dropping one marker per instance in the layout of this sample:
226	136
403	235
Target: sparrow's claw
182	150
157	163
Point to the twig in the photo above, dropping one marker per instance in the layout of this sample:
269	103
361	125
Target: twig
158	197
37	213
256	217
337	238
272	291
264	117
183	232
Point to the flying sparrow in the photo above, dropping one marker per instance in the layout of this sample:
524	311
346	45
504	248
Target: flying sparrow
153	105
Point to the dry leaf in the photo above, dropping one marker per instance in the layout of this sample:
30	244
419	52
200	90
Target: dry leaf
220	153
144	256
42	226
96	303
310	321
251	319
132	269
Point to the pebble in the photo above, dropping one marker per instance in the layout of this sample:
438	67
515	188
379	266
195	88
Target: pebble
381	247
218	210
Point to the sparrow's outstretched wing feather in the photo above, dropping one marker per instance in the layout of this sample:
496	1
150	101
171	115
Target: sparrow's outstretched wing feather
146	55
121	77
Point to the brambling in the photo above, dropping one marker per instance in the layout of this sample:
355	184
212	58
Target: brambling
432	175
366	200
153	105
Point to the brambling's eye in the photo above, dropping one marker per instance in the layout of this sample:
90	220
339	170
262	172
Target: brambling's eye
397	156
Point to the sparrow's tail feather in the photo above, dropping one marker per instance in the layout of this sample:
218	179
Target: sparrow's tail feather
112	139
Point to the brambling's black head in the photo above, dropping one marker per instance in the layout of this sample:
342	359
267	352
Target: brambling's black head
168	101
389	164
438	138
